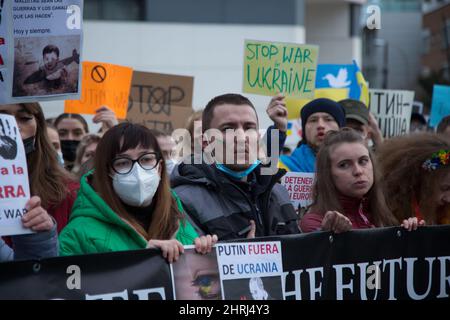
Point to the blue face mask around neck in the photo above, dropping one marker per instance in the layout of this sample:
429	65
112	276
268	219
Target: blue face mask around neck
237	174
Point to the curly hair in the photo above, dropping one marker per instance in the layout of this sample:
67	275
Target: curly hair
405	181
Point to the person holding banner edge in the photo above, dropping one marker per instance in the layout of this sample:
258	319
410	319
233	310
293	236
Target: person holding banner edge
126	202
347	192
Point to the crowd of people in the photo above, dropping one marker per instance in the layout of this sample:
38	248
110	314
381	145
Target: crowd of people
125	187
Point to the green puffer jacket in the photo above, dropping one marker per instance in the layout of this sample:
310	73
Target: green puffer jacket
94	227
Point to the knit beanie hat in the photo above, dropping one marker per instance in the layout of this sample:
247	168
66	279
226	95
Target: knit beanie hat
322	105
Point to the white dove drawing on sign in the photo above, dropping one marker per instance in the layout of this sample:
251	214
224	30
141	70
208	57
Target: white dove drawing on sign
340	81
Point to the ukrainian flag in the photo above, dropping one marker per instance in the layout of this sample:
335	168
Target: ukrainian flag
335	82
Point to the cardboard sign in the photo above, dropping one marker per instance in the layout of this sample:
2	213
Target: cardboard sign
160	101
14	186
299	186
270	68
103	84
440	105
392	109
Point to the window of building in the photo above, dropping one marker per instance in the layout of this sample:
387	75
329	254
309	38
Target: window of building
133	10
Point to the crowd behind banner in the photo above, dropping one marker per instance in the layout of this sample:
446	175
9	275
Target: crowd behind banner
142	181
351	266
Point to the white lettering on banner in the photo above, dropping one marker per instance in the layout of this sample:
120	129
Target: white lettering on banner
142	294
390	269
340	286
443	277
312	282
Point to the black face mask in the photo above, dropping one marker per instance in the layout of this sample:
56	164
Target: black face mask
28	144
69	149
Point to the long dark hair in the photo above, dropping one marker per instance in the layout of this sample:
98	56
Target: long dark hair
48	179
325	193
125	136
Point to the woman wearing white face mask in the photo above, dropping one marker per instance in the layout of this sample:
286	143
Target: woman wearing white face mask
126	203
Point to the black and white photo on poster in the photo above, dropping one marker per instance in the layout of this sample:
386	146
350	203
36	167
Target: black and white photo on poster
43	51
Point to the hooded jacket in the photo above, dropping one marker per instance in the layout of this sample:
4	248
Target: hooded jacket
94	227
221	205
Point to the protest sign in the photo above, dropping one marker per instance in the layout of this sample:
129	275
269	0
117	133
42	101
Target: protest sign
440	105
160	101
255	277
299	186
103	84
273	67
14	187
392	109
40	50
336	82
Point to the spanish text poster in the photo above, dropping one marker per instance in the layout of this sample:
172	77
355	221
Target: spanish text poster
47	43
273	67
251	270
392	109
440	105
196	276
103	84
14	187
160	101
299	186
4	48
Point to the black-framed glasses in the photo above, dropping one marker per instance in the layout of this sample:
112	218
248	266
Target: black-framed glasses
147	161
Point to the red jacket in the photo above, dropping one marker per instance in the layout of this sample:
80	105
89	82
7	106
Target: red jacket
61	212
354	209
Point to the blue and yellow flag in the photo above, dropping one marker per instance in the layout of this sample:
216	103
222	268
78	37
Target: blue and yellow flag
335	82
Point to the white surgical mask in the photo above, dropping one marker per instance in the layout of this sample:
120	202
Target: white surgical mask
60	158
138	187
170	165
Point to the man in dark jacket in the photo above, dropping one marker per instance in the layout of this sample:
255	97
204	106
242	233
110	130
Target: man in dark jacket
233	199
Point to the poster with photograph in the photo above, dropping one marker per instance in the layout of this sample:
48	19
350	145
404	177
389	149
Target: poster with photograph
43	50
14	185
196	276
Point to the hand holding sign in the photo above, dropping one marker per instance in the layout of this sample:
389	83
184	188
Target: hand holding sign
336	222
277	112
37	218
204	244
106	116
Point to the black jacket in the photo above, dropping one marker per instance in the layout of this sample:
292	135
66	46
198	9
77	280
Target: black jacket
221	205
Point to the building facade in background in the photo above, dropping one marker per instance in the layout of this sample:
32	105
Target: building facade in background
205	38
436	38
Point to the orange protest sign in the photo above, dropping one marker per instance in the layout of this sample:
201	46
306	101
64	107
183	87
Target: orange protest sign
102	84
